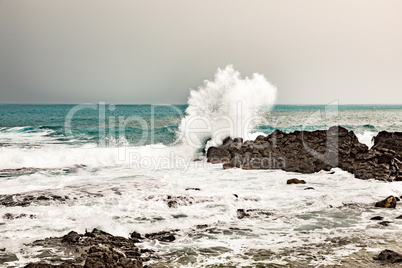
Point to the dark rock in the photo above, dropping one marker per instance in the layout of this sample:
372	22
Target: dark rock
389	256
172	204
92	249
389	202
377	218
399	217
238	140
10	216
27	199
42	265
241	214
71	238
295	181
235	195
228	166
397	199
218	155
7	257
193	189
161	236
106	257
309	188
385	223
310	152
136	235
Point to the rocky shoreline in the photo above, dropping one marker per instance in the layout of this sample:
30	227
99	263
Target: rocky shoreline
310	152
91	249
303	152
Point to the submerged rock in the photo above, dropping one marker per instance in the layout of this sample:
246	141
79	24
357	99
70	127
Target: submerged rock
385	223
161	236
10	216
241	214
377	218
7	257
193	189
389	256
389	202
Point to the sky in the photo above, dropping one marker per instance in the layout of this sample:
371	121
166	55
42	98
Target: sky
121	51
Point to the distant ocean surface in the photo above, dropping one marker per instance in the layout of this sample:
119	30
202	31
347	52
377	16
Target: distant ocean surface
163	121
119	181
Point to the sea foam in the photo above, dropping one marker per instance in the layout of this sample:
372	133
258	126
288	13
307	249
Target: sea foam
228	105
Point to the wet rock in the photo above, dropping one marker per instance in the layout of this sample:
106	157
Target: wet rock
399	217
10	216
295	181
99	256
218	155
309	188
161	236
193	189
258	213
27	199
377	218
42	265
389	256
385	223
71	238
228	166
310	152
241	214
92	249
135	235
235	195
7	257
172	204
397	199
389	202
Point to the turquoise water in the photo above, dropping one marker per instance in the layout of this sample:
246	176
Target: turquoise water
162	121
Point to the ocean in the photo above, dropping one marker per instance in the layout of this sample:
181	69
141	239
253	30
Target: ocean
119	165
142	168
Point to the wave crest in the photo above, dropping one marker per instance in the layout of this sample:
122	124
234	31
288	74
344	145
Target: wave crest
228	105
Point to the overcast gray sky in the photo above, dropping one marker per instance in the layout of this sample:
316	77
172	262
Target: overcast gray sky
314	52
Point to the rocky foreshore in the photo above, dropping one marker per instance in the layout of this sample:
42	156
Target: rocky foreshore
310	152
92	249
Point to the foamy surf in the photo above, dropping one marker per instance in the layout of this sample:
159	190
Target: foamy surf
226	106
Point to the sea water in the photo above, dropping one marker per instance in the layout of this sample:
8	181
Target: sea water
118	164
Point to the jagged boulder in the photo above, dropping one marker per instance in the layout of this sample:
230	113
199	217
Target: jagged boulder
310	152
389	256
389	202
92	249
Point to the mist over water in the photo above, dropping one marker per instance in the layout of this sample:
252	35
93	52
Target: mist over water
228	105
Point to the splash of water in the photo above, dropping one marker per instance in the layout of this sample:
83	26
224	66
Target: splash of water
228	105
